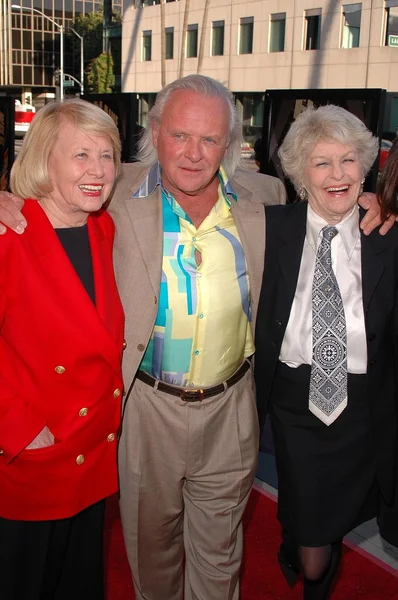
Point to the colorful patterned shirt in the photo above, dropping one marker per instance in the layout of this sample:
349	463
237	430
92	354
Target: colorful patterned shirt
202	331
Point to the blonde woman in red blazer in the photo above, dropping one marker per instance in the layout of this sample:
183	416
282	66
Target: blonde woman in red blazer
61	339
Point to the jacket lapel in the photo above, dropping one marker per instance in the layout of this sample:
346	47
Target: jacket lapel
146	219
99	324
108	308
250	222
372	248
292	231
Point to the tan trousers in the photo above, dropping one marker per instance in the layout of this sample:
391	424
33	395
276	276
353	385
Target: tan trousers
186	470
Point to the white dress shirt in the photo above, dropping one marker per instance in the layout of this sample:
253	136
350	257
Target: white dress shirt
296	347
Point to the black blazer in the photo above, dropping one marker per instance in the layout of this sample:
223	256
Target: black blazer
285	235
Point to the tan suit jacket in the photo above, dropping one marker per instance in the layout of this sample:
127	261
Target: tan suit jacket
138	249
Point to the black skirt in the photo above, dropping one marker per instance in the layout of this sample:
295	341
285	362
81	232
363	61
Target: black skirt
53	560
326	474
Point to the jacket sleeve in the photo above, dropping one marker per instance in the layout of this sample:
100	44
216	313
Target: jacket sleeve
281	191
19	421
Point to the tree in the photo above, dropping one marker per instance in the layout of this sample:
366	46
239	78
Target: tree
100	75
96	64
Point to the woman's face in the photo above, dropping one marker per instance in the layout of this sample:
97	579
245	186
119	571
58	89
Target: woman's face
332	178
81	167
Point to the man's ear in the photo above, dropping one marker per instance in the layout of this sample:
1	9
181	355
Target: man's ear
155	134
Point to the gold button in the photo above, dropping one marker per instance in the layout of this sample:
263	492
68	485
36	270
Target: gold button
116	393
60	369
141	347
111	437
80	459
124	344
1	451
83	412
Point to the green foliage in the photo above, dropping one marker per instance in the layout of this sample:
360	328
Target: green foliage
100	74
90	27
98	66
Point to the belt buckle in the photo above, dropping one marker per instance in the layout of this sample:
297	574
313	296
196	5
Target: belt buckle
185	393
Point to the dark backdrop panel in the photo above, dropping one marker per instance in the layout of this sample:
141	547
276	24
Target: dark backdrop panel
7	117
283	106
123	108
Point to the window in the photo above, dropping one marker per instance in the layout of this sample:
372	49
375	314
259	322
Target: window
192	41
351	25
217	38
246	36
391	22
26	22
16	39
169	43
16	75
16	57
27	75
312	29
27	40
277	32
147	45
16	21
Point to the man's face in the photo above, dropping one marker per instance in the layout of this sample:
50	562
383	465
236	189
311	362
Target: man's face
191	141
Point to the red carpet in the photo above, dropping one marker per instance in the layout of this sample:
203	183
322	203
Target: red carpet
360	578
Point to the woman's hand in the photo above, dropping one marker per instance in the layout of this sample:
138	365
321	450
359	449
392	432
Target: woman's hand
10	215
42	440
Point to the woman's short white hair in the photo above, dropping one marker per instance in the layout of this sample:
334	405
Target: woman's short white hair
324	124
205	86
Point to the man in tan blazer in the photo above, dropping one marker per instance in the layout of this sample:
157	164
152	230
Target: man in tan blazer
187	458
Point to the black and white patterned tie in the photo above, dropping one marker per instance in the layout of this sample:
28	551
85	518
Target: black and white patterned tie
328	382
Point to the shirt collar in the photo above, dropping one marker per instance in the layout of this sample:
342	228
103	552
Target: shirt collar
154	178
348	229
226	185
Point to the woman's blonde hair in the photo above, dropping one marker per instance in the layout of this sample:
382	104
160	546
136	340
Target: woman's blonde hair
324	124
29	174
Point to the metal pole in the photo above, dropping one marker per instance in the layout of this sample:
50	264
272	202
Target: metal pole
81	60
81	67
61	65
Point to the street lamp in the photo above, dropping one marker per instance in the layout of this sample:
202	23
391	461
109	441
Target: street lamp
81	60
61	46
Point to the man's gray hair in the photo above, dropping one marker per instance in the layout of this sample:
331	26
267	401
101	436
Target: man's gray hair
205	86
328	123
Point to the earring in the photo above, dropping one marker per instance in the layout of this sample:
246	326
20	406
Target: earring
361	188
303	195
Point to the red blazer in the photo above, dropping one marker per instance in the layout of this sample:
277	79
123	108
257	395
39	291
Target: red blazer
59	366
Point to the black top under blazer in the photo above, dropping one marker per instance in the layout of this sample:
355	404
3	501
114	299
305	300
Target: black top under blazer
285	235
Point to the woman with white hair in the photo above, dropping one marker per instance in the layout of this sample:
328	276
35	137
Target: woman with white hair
324	347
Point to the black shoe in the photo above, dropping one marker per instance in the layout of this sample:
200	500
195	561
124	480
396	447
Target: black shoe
290	571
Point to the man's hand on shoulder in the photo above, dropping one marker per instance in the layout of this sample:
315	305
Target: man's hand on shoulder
10	213
371	220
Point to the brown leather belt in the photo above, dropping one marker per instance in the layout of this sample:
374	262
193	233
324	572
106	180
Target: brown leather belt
194	394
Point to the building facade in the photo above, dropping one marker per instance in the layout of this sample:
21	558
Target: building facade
254	45
30	43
